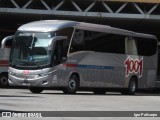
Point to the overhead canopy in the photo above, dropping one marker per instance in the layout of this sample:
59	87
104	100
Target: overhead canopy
142	1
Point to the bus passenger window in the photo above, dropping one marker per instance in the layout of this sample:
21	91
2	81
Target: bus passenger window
58	52
100	42
146	46
65	32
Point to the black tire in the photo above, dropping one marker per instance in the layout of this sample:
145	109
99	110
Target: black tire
131	90
36	89
4	80
99	91
73	85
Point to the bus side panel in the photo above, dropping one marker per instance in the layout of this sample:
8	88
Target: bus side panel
148	78
98	69
110	70
4	59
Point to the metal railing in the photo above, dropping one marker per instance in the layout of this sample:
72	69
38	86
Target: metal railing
83	8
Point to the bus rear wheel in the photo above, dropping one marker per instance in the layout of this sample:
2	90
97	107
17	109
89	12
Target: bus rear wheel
36	89
4	80
131	88
73	85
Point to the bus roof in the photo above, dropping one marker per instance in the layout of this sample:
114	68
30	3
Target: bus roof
46	25
54	25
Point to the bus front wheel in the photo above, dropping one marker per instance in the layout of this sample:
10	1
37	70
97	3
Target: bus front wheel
72	86
36	89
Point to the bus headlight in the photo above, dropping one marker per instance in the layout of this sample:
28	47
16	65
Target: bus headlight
11	73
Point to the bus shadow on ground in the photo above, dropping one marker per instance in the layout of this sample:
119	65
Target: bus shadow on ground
155	92
17	96
106	94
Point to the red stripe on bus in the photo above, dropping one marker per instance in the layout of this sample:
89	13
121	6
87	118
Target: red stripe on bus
70	65
3	65
4	62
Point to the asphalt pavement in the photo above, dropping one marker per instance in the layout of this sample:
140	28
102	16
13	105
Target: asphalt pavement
81	104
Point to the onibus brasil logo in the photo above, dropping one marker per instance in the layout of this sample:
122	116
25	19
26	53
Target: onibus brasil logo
134	66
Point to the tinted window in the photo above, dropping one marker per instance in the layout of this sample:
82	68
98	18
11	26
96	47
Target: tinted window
65	32
98	42
146	47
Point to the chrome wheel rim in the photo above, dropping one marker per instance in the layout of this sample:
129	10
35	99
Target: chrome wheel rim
132	86
72	84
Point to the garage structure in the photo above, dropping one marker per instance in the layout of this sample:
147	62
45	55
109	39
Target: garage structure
136	15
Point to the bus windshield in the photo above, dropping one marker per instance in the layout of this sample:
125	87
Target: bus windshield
31	49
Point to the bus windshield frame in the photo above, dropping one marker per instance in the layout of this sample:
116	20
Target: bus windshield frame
30	50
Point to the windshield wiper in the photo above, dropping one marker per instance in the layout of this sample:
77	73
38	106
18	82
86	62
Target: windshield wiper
32	62
38	65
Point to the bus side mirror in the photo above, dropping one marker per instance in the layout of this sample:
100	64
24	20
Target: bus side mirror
4	41
53	40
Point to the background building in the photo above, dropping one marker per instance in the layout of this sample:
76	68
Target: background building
136	15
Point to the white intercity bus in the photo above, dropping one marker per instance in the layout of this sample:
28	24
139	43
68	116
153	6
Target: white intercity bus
72	55
4	60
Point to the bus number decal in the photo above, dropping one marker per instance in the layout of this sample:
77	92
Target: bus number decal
134	66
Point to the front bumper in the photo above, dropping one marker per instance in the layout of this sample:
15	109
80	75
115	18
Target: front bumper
39	82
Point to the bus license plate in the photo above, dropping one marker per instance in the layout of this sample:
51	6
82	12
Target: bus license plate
26	84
